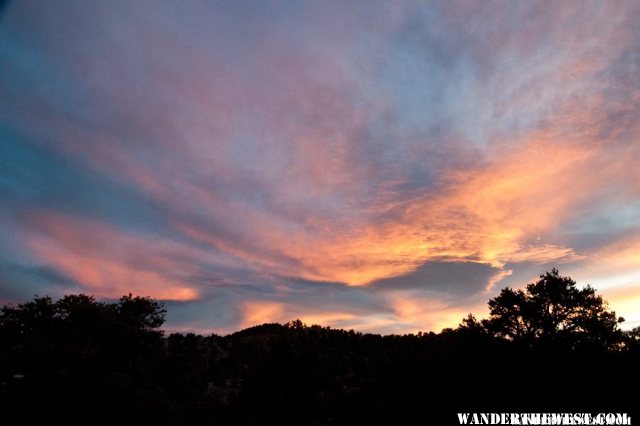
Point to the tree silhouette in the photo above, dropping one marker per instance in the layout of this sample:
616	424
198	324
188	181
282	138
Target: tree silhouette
79	360
141	313
78	351
554	312
81	316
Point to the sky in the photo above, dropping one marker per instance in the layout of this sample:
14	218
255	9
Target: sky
383	166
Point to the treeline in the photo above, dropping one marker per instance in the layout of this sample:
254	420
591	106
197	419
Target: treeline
550	347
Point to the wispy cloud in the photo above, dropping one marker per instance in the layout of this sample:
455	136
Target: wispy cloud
386	168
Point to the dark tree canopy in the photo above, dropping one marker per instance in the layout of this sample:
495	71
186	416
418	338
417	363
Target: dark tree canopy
42	314
81	325
553	311
79	360
141	312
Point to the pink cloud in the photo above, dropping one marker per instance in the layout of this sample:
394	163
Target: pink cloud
345	147
109	262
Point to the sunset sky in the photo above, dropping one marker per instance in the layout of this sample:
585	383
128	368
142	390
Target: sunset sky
383	166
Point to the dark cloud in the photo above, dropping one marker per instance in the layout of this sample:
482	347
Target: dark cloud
22	282
461	279
38	177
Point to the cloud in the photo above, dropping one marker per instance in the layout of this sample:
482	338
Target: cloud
292	160
457	278
108	262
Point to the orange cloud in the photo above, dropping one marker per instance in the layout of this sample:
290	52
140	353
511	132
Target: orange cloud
259	312
492	214
405	313
622	255
289	186
109	262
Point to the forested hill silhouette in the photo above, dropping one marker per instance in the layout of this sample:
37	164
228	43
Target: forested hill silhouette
551	347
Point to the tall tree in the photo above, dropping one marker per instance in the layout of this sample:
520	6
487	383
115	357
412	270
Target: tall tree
554	311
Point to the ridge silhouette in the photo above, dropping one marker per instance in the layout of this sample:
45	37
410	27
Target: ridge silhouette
550	347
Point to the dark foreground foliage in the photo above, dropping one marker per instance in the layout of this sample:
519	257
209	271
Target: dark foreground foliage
79	361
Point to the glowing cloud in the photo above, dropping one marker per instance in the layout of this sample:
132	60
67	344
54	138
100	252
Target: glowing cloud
109	263
265	163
